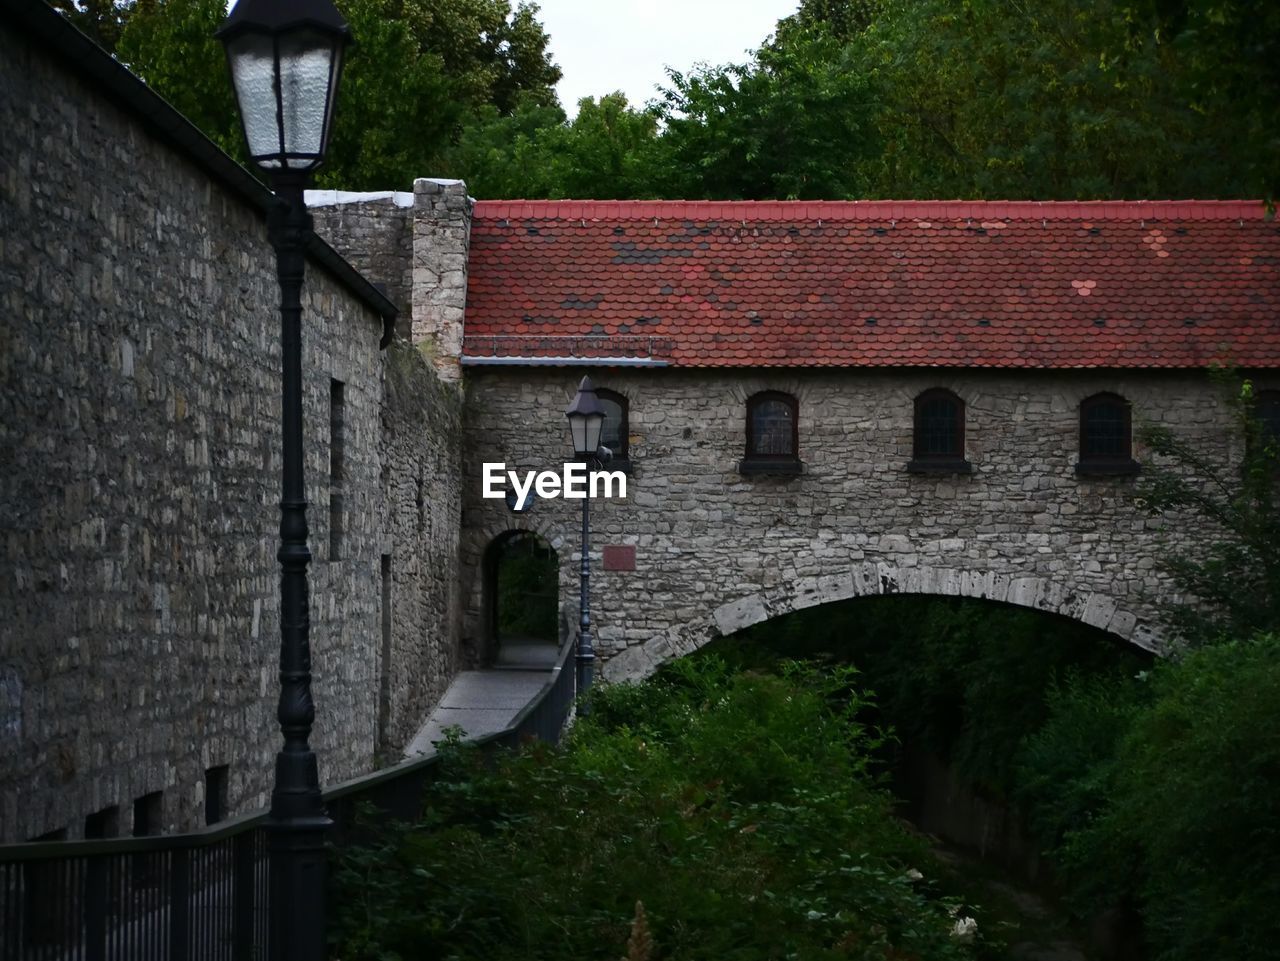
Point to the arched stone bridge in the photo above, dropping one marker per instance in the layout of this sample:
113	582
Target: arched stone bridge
1013	323
716	551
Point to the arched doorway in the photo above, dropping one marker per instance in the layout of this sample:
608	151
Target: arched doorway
522	584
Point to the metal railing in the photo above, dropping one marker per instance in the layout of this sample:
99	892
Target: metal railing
203	896
199	895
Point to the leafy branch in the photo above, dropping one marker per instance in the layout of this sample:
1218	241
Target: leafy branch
1234	577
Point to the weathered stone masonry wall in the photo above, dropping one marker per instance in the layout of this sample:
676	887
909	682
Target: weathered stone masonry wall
414	245
716	551
421	421
422	483
377	239
140	438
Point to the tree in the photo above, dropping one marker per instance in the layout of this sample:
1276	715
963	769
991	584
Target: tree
798	123
1052	100
609	150
1235	576
419	70
170	44
100	20
843	19
850	99
1228	58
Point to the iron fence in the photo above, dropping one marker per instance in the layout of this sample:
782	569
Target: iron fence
201	895
204	895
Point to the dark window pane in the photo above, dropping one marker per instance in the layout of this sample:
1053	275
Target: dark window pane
1106	433
103	824
772	429
215	794
938	429
1267	409
611	434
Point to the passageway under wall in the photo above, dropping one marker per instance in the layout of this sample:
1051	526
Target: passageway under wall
522	597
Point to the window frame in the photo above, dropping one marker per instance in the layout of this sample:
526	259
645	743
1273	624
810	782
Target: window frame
1268	395
1105	464
754	463
622	457
952	462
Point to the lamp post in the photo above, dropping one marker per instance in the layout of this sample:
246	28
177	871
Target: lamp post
285	58
586	419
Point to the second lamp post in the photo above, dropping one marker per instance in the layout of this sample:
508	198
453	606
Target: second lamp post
586	421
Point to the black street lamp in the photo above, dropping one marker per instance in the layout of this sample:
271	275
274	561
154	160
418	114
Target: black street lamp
586	420
286	58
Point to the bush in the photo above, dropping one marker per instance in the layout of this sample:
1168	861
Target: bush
1198	789
1166	792
737	809
962	678
1066	782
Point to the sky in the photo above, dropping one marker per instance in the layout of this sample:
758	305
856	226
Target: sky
607	45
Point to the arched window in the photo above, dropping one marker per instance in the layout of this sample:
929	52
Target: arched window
1106	445
614	433
1266	408
938	438
773	436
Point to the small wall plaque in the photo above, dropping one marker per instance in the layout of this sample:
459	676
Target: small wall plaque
620	557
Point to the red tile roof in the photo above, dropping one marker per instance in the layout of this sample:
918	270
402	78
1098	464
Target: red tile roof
877	283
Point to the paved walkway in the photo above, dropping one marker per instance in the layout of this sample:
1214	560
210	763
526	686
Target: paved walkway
487	701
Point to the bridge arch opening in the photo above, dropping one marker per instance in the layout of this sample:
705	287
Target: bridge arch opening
1131	619
522	600
967	686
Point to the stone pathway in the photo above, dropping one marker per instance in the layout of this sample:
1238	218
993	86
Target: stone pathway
487	701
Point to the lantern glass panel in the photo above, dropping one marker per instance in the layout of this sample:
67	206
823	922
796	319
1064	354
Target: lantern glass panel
585	432
252	57
595	425
307	68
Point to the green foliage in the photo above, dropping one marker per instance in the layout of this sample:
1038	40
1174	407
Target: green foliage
855	99
1227	55
100	20
528	586
786	849
1049	100
1155	789
795	124
1169	794
422	70
851	99
419	71
842	19
1234	577
964	679
1198	790
170	44
534	152
1065	781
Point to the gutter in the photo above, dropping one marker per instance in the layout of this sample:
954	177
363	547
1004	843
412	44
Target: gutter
108	76
561	362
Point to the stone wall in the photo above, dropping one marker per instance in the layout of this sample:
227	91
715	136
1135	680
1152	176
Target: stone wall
422	481
140	438
377	239
717	551
441	243
416	246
